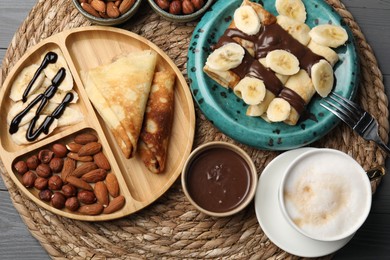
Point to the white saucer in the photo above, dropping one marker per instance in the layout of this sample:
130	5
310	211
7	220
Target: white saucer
272	221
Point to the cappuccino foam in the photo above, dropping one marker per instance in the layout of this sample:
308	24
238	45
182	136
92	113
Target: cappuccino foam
326	195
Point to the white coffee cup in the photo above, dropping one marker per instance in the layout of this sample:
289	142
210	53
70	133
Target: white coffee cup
325	195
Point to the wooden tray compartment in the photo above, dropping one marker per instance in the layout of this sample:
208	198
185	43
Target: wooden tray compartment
85	48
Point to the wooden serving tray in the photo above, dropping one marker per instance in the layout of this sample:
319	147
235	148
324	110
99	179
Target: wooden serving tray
85	48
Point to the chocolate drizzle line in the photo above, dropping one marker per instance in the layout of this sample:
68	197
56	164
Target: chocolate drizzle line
269	38
42	100
50	57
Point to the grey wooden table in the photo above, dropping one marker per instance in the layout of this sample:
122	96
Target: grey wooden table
372	241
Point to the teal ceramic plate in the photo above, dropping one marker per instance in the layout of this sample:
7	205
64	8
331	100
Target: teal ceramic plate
227	112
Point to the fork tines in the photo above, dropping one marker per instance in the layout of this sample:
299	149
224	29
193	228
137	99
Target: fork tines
345	109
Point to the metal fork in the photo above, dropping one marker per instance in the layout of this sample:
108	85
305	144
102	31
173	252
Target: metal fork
354	116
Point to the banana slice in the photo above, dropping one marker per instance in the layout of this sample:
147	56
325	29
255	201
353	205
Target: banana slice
329	35
330	55
23	79
282	62
298	30
253	110
282	78
278	110
322	77
59	95
251	90
247	20
226	57
69	117
295	9
18	107
52	69
19	137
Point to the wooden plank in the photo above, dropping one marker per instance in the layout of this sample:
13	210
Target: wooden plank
16	241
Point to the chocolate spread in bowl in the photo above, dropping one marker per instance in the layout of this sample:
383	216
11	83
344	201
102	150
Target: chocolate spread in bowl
218	179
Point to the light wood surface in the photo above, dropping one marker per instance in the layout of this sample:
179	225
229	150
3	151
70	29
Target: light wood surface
372	241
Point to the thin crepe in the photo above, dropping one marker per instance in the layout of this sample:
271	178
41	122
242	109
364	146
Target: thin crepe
119	91
156	130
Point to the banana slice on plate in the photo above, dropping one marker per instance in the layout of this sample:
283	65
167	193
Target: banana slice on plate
18	107
52	69
329	35
19	137
247	20
282	78
226	57
59	95
251	90
278	110
282	62
330	55
298	30
70	116
23	79
295	9
322	77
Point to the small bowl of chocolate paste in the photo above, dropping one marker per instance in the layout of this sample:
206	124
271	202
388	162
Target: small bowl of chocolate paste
219	179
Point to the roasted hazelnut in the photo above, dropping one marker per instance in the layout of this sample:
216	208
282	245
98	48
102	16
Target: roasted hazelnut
59	150
197	4
69	190
163	4
72	204
45	195
21	167
86	197
28	179
55	182
32	162
40	183
43	170
45	155
58	200
187	7
175	7
56	164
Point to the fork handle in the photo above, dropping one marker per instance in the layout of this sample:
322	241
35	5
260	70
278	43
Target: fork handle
384	147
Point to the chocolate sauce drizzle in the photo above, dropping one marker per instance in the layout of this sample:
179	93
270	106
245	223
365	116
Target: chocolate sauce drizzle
269	38
50	57
42	99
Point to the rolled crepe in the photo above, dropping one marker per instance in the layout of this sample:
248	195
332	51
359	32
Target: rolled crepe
156	129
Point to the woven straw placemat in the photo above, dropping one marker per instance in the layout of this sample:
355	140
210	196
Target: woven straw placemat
171	227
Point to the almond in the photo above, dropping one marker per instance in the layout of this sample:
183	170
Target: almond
125	6
74	147
112	10
68	167
101	193
92	209
77	157
95	175
101	161
79	183
85	138
98	5
90	149
115	205
112	185
89	9
83	169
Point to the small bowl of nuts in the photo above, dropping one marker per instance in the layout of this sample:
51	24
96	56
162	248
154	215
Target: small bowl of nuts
180	10
107	12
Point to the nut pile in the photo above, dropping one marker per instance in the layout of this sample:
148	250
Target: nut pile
180	6
106	8
76	176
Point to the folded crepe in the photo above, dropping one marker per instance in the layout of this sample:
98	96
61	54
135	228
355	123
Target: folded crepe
119	92
156	130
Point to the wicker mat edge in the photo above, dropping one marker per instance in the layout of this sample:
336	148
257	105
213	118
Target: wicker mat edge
171	227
